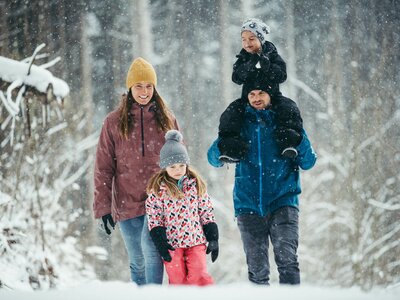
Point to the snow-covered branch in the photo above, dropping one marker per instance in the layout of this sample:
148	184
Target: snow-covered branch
386	206
39	78
308	90
50	63
381	241
381	132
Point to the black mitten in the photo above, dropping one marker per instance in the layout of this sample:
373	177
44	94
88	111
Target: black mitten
159	237
233	147
211	233
243	67
213	248
264	62
287	138
108	219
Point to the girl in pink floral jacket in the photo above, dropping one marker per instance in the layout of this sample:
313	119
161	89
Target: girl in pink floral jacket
180	216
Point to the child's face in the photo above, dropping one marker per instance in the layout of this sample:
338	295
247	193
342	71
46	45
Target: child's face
250	42
142	92
176	171
259	99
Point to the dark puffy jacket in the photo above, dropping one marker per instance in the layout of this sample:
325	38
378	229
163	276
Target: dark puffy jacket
264	180
124	166
274	74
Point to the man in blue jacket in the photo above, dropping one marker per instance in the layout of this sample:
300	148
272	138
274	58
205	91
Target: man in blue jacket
266	189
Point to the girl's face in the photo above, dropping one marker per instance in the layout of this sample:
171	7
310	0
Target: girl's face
250	42
259	99
142	92
176	171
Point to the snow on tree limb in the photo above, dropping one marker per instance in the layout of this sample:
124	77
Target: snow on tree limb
38	48
300	84
385	206
15	71
9	106
382	130
57	128
4	198
51	63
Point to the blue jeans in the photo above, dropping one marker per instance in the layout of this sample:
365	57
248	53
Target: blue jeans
282	227
145	263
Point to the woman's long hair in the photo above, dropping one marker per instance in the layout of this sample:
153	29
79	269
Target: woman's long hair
126	121
162	178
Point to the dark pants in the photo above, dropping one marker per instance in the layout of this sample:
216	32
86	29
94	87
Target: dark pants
282	228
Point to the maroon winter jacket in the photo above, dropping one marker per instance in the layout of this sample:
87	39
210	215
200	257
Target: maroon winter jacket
124	166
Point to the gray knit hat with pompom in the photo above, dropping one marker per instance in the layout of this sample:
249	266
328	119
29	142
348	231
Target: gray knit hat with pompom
173	151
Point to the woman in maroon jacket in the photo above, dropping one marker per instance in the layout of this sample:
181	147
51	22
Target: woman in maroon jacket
127	156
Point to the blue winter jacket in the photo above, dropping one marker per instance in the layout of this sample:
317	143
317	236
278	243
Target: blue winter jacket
265	180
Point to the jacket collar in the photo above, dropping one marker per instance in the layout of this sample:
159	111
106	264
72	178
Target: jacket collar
151	106
183	183
266	115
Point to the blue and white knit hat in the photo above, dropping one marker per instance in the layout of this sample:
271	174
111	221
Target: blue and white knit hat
258	27
173	151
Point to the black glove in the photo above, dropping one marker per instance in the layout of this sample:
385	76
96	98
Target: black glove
287	137
264	62
110	220
211	233
159	237
244	66
233	148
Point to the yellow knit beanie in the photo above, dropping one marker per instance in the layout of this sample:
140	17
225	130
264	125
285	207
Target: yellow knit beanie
141	70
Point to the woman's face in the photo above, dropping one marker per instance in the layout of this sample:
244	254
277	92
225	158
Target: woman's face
250	42
259	99
176	171
142	92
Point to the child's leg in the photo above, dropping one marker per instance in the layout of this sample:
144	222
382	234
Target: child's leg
176	268
196	265
287	113
289	125
231	121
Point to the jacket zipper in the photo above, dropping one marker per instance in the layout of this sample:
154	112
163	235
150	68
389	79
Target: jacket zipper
142	128
259	163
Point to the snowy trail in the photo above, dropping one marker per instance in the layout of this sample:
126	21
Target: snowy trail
97	290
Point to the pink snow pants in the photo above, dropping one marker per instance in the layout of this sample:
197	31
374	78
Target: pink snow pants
188	266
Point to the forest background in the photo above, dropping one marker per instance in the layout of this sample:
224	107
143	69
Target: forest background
343	62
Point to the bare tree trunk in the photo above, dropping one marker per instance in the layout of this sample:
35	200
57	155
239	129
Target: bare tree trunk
88	107
225	52
247	9
142	27
186	72
87	75
4	31
291	52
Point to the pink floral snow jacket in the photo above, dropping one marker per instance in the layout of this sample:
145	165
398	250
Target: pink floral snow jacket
184	218
124	166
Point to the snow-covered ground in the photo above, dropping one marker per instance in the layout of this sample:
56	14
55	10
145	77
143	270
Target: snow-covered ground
97	290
